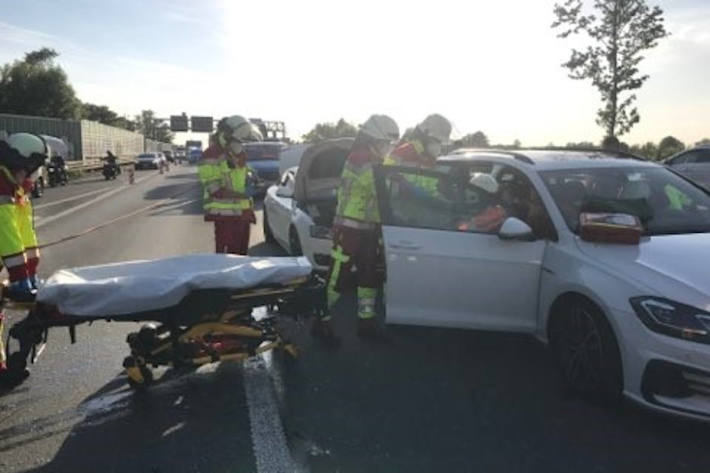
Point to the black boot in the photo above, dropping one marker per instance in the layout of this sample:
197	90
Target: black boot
371	330
323	330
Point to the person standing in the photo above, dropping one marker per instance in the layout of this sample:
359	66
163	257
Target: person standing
356	227
226	184
20	156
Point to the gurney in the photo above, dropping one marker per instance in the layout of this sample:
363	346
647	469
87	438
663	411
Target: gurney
200	309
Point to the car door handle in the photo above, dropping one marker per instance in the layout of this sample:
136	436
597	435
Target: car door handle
404	245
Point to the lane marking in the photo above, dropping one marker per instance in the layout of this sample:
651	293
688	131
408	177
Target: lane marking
68	199
267	433
40	222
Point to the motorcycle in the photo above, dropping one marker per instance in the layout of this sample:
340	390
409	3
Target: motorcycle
57	175
110	171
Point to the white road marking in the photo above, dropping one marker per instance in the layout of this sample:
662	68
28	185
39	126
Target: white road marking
68	199
267	434
40	222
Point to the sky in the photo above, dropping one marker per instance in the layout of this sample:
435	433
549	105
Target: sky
489	65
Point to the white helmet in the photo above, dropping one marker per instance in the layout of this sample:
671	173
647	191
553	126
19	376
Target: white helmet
381	128
437	127
31	152
485	182
237	128
27	144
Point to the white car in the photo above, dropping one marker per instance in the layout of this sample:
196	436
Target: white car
152	160
299	209
620	318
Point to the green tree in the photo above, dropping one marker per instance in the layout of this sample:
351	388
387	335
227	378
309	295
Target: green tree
325	131
37	86
103	114
648	150
581	145
475	140
703	142
668	146
147	124
619	32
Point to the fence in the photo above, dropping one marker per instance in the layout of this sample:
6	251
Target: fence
86	140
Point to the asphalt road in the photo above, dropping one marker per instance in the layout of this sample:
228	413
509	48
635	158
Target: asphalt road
426	400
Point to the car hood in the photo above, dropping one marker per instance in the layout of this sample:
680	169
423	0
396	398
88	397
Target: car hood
264	164
673	266
319	170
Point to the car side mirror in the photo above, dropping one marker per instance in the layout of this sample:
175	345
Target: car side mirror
515	229
284	191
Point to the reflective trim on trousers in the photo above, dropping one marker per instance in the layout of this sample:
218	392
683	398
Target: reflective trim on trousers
32	252
332	295
14	260
366	302
356	224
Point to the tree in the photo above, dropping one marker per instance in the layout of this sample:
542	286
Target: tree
581	145
620	31
103	114
703	142
648	150
668	146
147	124
37	86
475	140
325	131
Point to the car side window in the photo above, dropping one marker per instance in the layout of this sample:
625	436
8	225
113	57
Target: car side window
521	200
438	201
703	157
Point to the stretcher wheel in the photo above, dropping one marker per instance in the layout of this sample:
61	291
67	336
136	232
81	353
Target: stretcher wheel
139	375
290	351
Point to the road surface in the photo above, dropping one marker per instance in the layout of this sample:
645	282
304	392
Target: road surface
427	400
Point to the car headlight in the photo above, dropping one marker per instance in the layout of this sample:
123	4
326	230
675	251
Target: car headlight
321	232
673	318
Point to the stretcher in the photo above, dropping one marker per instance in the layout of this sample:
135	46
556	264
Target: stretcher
198	309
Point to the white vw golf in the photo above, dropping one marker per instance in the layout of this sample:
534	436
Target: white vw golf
603	256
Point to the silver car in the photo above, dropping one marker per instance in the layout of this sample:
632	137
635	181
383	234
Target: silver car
694	164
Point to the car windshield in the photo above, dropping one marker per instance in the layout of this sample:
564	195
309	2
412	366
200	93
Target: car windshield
664	202
262	152
147	156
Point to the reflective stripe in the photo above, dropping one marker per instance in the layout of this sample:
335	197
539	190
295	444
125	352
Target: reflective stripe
366	302
14	260
32	252
224	212
356	224
339	258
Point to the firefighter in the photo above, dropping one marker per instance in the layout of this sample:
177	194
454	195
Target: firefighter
356	227
227	185
20	156
423	145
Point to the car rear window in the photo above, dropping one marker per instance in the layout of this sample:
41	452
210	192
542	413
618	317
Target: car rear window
262	152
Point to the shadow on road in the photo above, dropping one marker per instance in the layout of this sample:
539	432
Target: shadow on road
452	400
196	422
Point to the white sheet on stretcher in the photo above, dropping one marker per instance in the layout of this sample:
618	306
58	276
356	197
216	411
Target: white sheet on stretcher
136	286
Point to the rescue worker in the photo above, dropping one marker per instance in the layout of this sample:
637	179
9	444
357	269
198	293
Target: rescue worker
423	145
227	185
356	227
20	156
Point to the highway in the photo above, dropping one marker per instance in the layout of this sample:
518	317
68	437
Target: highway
426	400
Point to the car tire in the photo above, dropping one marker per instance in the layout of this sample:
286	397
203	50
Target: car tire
585	349
268	234
294	243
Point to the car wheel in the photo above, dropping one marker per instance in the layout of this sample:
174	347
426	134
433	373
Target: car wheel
294	243
586	350
268	235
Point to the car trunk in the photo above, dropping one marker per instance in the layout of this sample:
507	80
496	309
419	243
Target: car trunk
318	179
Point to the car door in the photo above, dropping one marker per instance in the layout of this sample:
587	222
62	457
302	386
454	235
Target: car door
280	212
442	271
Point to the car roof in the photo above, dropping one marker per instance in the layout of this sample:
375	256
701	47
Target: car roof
543	159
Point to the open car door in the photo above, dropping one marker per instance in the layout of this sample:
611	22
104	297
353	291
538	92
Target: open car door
443	272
